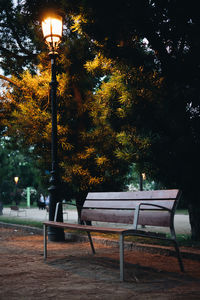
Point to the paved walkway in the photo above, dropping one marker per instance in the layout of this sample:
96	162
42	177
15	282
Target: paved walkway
182	225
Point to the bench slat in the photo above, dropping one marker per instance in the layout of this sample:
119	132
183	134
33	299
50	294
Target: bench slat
102	229
102	215
127	204
150	218
84	227
139	195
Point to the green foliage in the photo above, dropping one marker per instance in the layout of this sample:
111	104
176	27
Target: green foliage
86	148
124	93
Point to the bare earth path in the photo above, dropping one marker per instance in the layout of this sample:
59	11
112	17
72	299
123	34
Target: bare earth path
71	272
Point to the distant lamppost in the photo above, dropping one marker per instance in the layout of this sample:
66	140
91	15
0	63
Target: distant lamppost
16	179
52	31
142	178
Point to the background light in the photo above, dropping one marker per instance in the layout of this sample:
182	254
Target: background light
16	179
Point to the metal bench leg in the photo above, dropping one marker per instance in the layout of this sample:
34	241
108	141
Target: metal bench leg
45	241
178	255
173	234
121	251
91	242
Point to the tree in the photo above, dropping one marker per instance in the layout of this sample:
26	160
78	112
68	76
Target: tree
172	31
86	151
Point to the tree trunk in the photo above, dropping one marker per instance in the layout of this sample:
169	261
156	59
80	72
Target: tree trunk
79	205
194	216
1	208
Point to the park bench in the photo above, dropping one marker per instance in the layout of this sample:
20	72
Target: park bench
17	210
149	208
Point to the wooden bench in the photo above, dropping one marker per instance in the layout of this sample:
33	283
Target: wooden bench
153	208
15	208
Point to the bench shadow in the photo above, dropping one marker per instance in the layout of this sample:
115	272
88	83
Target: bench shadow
102	268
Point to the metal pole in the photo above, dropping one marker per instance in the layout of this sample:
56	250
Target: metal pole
54	234
121	256
141	182
45	240
28	196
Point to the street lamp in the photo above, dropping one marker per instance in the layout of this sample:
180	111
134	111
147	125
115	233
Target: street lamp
52	31
142	178
16	179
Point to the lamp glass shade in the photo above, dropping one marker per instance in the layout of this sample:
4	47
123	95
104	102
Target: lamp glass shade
52	31
143	176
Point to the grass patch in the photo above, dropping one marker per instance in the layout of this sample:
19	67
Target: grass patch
186	241
181	212
21	221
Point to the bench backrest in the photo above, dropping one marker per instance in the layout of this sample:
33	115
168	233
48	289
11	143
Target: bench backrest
119	207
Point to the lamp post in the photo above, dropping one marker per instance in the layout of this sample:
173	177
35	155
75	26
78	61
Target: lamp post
52	31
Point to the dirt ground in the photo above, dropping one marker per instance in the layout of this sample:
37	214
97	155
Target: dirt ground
72	272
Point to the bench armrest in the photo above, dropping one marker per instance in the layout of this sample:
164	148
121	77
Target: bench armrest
156	205
137	211
56	211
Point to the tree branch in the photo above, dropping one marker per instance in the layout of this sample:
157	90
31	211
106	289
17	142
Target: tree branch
10	81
